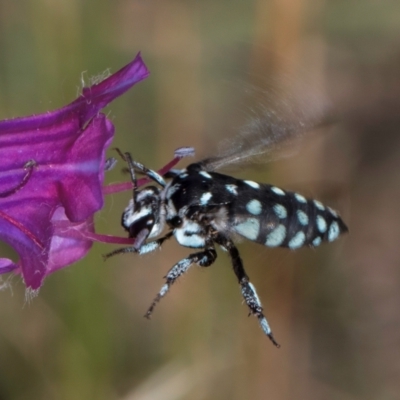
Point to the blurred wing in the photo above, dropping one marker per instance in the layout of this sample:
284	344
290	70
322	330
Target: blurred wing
278	118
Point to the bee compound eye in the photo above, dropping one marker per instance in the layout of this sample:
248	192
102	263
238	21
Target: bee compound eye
176	222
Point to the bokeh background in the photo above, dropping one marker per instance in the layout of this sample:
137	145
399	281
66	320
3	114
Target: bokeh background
335	310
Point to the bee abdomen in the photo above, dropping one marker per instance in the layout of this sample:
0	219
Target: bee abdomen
302	222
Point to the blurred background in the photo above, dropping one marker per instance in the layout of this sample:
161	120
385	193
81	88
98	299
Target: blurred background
335	310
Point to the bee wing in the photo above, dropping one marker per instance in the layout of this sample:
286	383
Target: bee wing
279	118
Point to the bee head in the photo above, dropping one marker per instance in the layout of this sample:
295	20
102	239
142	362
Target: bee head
142	216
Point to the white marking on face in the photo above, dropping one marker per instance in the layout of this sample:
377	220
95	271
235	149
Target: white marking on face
205	198
321	224
319	205
249	229
254	207
205	174
278	191
280	211
183	176
276	237
232	189
297	240
300	198
252	184
302	217
334	231
317	241
131	217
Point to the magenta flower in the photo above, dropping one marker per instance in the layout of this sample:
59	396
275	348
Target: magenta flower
51	174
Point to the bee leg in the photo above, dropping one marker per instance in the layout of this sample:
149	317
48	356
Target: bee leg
144	249
248	290
203	259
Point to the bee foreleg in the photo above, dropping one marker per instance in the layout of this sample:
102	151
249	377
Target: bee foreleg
144	249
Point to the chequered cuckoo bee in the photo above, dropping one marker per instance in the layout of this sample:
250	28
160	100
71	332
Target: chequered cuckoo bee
202	208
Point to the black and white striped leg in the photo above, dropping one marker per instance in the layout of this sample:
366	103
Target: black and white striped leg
248	290
203	259
144	249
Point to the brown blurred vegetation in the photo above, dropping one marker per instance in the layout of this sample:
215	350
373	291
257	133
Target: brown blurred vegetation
335	310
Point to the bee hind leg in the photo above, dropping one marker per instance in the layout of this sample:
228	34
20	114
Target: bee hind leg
249	292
